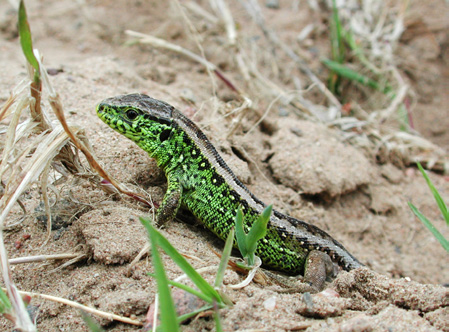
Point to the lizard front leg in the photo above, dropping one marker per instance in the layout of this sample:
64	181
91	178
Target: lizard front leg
171	202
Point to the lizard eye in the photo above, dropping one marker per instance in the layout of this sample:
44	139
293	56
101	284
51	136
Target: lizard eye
131	114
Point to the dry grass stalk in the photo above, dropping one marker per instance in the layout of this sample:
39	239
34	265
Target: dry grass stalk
385	27
103	314
404	149
160	43
198	10
50	143
222	9
41	258
253	8
22	319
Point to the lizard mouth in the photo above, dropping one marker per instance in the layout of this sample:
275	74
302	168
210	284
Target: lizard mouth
116	123
102	112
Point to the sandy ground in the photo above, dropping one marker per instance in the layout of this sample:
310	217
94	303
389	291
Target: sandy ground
304	168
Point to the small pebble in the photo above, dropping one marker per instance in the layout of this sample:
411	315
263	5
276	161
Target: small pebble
410	172
329	293
188	95
273	4
270	303
283	112
54	71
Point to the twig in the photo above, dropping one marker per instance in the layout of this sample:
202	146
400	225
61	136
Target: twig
142	252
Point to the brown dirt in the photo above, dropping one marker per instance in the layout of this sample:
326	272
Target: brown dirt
304	168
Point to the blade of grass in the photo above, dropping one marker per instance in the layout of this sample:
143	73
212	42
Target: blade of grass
259	229
240	233
337	48
348	73
430	227
166	305
442	206
27	49
194	313
196	278
336	35
217	320
25	38
191	290
5	304
358	52
90	322
224	259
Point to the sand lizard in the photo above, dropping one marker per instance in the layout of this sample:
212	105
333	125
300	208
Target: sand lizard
199	180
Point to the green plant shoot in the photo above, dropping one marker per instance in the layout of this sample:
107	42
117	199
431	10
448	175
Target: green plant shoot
25	40
247	243
5	304
90	322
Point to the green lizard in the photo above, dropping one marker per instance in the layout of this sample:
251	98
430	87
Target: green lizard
199	180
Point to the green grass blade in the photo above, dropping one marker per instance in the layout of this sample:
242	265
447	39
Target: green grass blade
191	290
5	304
167	307
336	35
258	229
337	48
217	320
25	37
194	313
430	227
224	259
90	322
441	205
199	282
358	52
240	233
350	74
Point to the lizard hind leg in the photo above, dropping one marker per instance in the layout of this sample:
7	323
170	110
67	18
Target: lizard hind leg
317	269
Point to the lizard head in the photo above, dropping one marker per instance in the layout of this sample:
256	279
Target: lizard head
145	120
